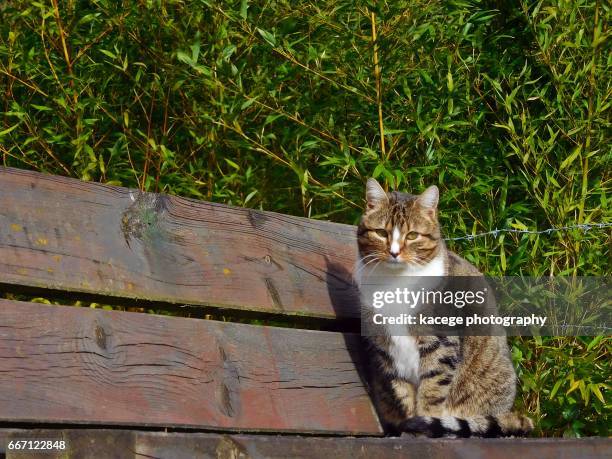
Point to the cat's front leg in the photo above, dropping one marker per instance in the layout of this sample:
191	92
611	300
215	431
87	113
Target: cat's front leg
395	401
439	358
393	396
405	394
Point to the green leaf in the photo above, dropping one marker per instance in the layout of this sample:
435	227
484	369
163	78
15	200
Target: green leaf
555	388
570	159
8	130
394	131
267	36
232	163
184	57
594	342
244	6
597	392
195	51
43	108
247	103
378	170
249	197
108	53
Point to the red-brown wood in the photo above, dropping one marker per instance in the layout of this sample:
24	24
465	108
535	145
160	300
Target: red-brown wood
61	364
68	235
95	443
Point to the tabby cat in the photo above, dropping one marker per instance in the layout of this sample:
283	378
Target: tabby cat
438	386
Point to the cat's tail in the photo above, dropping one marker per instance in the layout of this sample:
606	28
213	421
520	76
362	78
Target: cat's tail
501	425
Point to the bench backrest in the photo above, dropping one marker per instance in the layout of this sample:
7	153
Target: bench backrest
65	239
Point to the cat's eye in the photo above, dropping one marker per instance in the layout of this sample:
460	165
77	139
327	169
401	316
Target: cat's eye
381	233
412	235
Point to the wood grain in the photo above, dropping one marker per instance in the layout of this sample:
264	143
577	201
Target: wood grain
61	364
67	235
96	443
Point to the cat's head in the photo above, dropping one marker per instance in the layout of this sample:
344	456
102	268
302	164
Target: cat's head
399	229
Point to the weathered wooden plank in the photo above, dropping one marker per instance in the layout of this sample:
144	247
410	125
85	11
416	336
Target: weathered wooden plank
61	364
96	443
64	234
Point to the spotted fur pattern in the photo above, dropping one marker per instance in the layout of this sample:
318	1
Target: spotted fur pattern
438	386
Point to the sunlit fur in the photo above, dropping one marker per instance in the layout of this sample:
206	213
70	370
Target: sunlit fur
438	386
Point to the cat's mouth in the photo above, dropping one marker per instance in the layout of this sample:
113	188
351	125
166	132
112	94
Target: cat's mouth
394	262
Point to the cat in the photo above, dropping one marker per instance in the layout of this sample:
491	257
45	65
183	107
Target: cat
458	386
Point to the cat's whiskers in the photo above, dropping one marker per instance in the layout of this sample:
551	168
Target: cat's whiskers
370	272
374	257
370	255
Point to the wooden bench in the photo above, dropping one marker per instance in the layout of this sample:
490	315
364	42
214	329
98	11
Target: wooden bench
126	384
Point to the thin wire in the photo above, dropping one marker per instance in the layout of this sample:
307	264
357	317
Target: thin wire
583	226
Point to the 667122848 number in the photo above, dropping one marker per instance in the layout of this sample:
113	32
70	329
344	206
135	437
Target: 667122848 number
36	445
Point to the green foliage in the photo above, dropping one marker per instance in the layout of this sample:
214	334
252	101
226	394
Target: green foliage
276	105
564	382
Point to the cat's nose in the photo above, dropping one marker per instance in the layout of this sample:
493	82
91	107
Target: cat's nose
394	253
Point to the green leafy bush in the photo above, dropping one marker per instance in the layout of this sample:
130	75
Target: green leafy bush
564	382
278	105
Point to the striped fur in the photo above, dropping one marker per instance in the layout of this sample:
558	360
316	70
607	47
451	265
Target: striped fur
437	386
489	426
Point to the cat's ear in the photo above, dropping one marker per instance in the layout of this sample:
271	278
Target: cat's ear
429	198
375	194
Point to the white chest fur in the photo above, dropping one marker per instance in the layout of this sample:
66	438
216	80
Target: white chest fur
405	355
403	350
